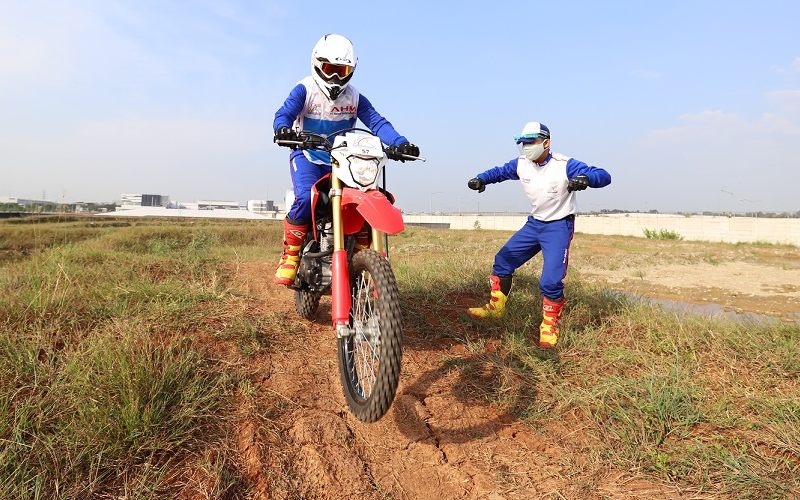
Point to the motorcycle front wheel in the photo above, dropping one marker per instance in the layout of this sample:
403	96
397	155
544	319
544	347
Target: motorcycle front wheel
369	358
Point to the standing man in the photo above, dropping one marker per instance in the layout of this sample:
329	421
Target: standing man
550	182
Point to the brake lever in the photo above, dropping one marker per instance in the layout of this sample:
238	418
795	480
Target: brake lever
404	157
412	158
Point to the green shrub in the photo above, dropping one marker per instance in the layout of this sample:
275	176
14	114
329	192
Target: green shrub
663	234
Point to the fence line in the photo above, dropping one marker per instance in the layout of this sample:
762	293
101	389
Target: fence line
692	227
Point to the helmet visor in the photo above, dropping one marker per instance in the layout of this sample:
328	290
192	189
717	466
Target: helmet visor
331	70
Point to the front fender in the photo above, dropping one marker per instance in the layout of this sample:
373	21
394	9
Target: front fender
375	208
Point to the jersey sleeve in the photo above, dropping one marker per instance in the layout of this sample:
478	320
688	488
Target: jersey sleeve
507	172
291	108
598	177
379	125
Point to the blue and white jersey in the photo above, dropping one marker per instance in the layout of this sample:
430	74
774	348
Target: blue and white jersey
546	184
307	108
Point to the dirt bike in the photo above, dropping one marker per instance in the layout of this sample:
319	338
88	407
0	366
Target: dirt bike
346	256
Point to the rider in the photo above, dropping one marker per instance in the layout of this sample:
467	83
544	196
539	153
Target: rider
550	181
325	104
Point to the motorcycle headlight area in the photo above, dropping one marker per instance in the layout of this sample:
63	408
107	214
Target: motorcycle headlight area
363	170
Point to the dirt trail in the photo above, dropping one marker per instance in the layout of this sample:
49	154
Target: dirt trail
439	440
735	286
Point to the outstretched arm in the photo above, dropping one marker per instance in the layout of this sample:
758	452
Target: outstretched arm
291	108
502	173
379	125
597	176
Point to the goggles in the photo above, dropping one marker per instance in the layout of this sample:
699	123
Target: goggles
330	70
529	138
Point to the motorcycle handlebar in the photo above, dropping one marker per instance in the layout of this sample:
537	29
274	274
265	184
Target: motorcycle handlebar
310	140
305	143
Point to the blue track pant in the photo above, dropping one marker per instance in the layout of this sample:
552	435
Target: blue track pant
553	239
304	175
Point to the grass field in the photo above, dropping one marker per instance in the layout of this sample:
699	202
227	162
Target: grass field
128	351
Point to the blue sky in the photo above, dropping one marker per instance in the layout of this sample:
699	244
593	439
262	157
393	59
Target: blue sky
689	105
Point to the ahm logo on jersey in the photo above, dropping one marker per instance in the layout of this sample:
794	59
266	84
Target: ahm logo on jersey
343	110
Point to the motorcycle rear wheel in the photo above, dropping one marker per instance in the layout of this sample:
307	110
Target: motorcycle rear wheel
306	303
369	359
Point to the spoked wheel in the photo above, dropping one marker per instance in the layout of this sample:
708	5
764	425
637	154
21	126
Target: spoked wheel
369	359
306	303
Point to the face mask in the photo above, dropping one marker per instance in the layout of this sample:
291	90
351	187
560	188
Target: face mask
533	151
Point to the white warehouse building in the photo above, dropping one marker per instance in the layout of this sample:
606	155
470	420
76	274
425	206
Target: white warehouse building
214	204
143	200
261	206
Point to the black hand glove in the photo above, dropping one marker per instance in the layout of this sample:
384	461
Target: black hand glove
476	184
408	149
392	153
397	152
285	134
314	142
578	183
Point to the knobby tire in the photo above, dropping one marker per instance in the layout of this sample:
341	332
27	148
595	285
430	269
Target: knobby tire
386	308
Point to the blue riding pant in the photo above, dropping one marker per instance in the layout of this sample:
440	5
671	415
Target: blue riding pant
553	239
304	175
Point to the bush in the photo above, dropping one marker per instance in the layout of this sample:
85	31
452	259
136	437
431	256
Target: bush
664	234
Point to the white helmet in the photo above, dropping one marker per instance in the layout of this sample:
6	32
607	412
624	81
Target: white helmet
333	62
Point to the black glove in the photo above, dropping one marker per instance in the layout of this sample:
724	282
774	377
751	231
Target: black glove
476	184
408	149
578	183
285	134
315	142
397	152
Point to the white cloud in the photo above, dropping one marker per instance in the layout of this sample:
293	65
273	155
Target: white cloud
91	97
37	46
686	166
792	67
786	103
63	43
102	159
52	43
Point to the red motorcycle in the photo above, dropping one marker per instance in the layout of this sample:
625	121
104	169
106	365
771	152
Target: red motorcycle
346	256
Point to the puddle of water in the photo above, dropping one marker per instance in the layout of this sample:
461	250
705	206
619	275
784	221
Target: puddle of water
713	310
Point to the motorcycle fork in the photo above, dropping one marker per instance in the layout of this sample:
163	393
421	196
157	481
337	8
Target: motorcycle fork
378	242
340	279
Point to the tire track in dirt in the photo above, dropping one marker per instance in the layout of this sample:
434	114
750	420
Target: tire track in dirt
439	440
247	439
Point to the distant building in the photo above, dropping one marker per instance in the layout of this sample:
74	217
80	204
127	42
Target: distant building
261	206
10	200
217	204
143	200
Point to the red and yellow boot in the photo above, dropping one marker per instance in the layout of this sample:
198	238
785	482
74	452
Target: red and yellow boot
548	330
496	307
293	237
